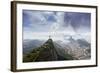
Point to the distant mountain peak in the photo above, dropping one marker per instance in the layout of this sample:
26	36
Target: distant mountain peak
71	39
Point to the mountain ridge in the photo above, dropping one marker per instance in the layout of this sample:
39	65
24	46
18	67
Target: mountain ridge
46	52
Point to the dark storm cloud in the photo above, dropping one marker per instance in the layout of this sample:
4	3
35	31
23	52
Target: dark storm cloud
77	19
38	20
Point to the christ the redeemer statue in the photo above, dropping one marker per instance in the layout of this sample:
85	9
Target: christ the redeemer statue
49	37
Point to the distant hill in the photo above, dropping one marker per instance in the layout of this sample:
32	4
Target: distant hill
83	43
49	51
28	45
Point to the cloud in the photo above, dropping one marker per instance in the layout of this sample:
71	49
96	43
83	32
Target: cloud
78	20
38	20
68	23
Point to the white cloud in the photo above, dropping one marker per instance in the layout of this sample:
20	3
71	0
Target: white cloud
42	28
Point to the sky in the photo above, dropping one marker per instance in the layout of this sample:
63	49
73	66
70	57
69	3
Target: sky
58	25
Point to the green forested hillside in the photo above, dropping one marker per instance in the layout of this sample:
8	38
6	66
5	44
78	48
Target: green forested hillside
46	52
